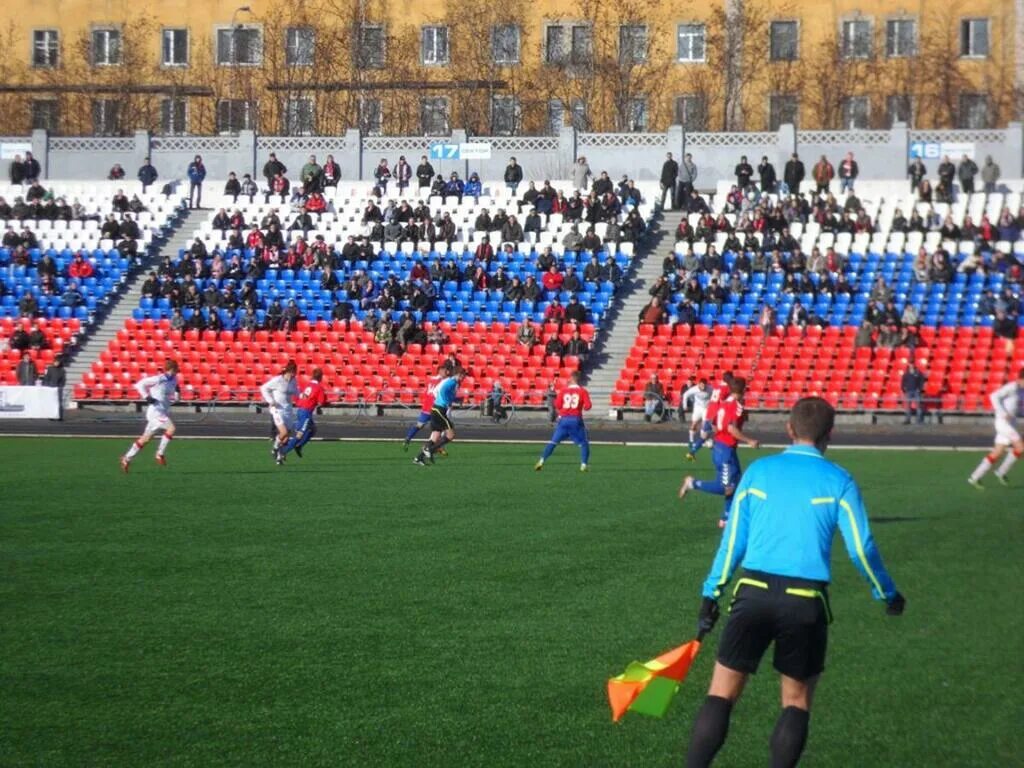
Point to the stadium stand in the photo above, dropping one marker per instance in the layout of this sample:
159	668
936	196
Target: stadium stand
67	248
464	308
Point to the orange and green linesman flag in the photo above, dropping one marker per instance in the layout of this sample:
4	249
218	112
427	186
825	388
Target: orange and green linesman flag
648	687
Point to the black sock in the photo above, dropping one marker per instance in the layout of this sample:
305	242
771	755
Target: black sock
709	730
789	737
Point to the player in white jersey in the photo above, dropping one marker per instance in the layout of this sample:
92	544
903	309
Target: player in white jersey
700	395
1008	404
159	392
280	393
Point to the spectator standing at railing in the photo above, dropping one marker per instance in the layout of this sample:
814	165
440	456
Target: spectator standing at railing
312	176
744	171
32	170
687	181
766	173
331	172
424	174
513	175
26	371
947	171
793	174
823	173
990	174
848	172
17	171
912	386
147	175
916	171
669	176
967	170
196	173
581	173
272	168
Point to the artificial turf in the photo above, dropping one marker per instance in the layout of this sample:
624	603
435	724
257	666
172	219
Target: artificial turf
351	609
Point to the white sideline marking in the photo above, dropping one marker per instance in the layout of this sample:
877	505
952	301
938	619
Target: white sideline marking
493	441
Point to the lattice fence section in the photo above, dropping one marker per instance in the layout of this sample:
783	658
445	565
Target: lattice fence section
977	136
839	138
751	139
195	144
300	143
519	143
401	143
92	144
622	140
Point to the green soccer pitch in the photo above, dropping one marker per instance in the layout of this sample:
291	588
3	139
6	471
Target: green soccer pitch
352	609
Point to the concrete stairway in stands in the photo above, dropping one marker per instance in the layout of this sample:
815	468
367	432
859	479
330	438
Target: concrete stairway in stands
617	339
121	306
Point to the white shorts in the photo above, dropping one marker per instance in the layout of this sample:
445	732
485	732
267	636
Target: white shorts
156	419
283	417
1006	433
699	412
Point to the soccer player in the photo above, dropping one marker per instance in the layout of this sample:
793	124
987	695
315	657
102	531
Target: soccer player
442	429
159	392
311	398
571	402
729	418
700	396
278	393
719	393
426	403
781	529
1008	404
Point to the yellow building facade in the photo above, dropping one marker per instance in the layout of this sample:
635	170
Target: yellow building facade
81	67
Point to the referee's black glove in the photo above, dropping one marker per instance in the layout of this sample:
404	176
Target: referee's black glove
150	400
895	606
707	617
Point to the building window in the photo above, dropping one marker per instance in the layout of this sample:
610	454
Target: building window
783	108
632	43
505	44
636	115
175	48
434	116
298	117
856	110
45	115
582	47
554	45
690	42
856	41
785	38
371	48
900	38
298	46
106	47
371	117
578	115
898	109
173	117
974	38
434	45
571	44
239	46
691	113
105	114
45	48
974	111
234	115
556	116
504	115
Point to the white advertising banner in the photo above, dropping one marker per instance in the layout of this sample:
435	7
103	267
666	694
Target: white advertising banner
29	403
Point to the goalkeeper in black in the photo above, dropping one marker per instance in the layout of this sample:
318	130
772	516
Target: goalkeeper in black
783	520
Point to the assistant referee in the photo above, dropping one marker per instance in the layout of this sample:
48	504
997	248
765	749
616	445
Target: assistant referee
783	520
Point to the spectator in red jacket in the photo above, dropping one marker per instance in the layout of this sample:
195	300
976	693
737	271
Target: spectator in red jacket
80	268
255	238
316	204
555	313
552	279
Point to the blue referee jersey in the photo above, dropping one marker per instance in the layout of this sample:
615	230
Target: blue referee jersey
445	393
783	520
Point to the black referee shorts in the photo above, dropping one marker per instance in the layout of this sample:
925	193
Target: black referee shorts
439	421
792	613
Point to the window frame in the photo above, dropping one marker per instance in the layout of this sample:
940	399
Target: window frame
562	57
637	106
188	47
47	31
55	103
585	59
368	130
579	116
889	38
516	114
847	46
505	62
233	60
288	48
110	31
172	100
771	40
966	37
703	42
103	103
362	62
982	97
890	118
848	104
630	56
443	101
435	29
771	110
252	114
680	115
555	112
287	125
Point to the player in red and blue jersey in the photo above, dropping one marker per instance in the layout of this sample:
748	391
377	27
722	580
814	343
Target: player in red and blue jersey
729	420
571	401
426	404
311	397
719	392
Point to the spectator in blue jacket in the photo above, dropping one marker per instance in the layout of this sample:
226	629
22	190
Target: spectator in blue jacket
147	175
473	188
454	188
196	174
